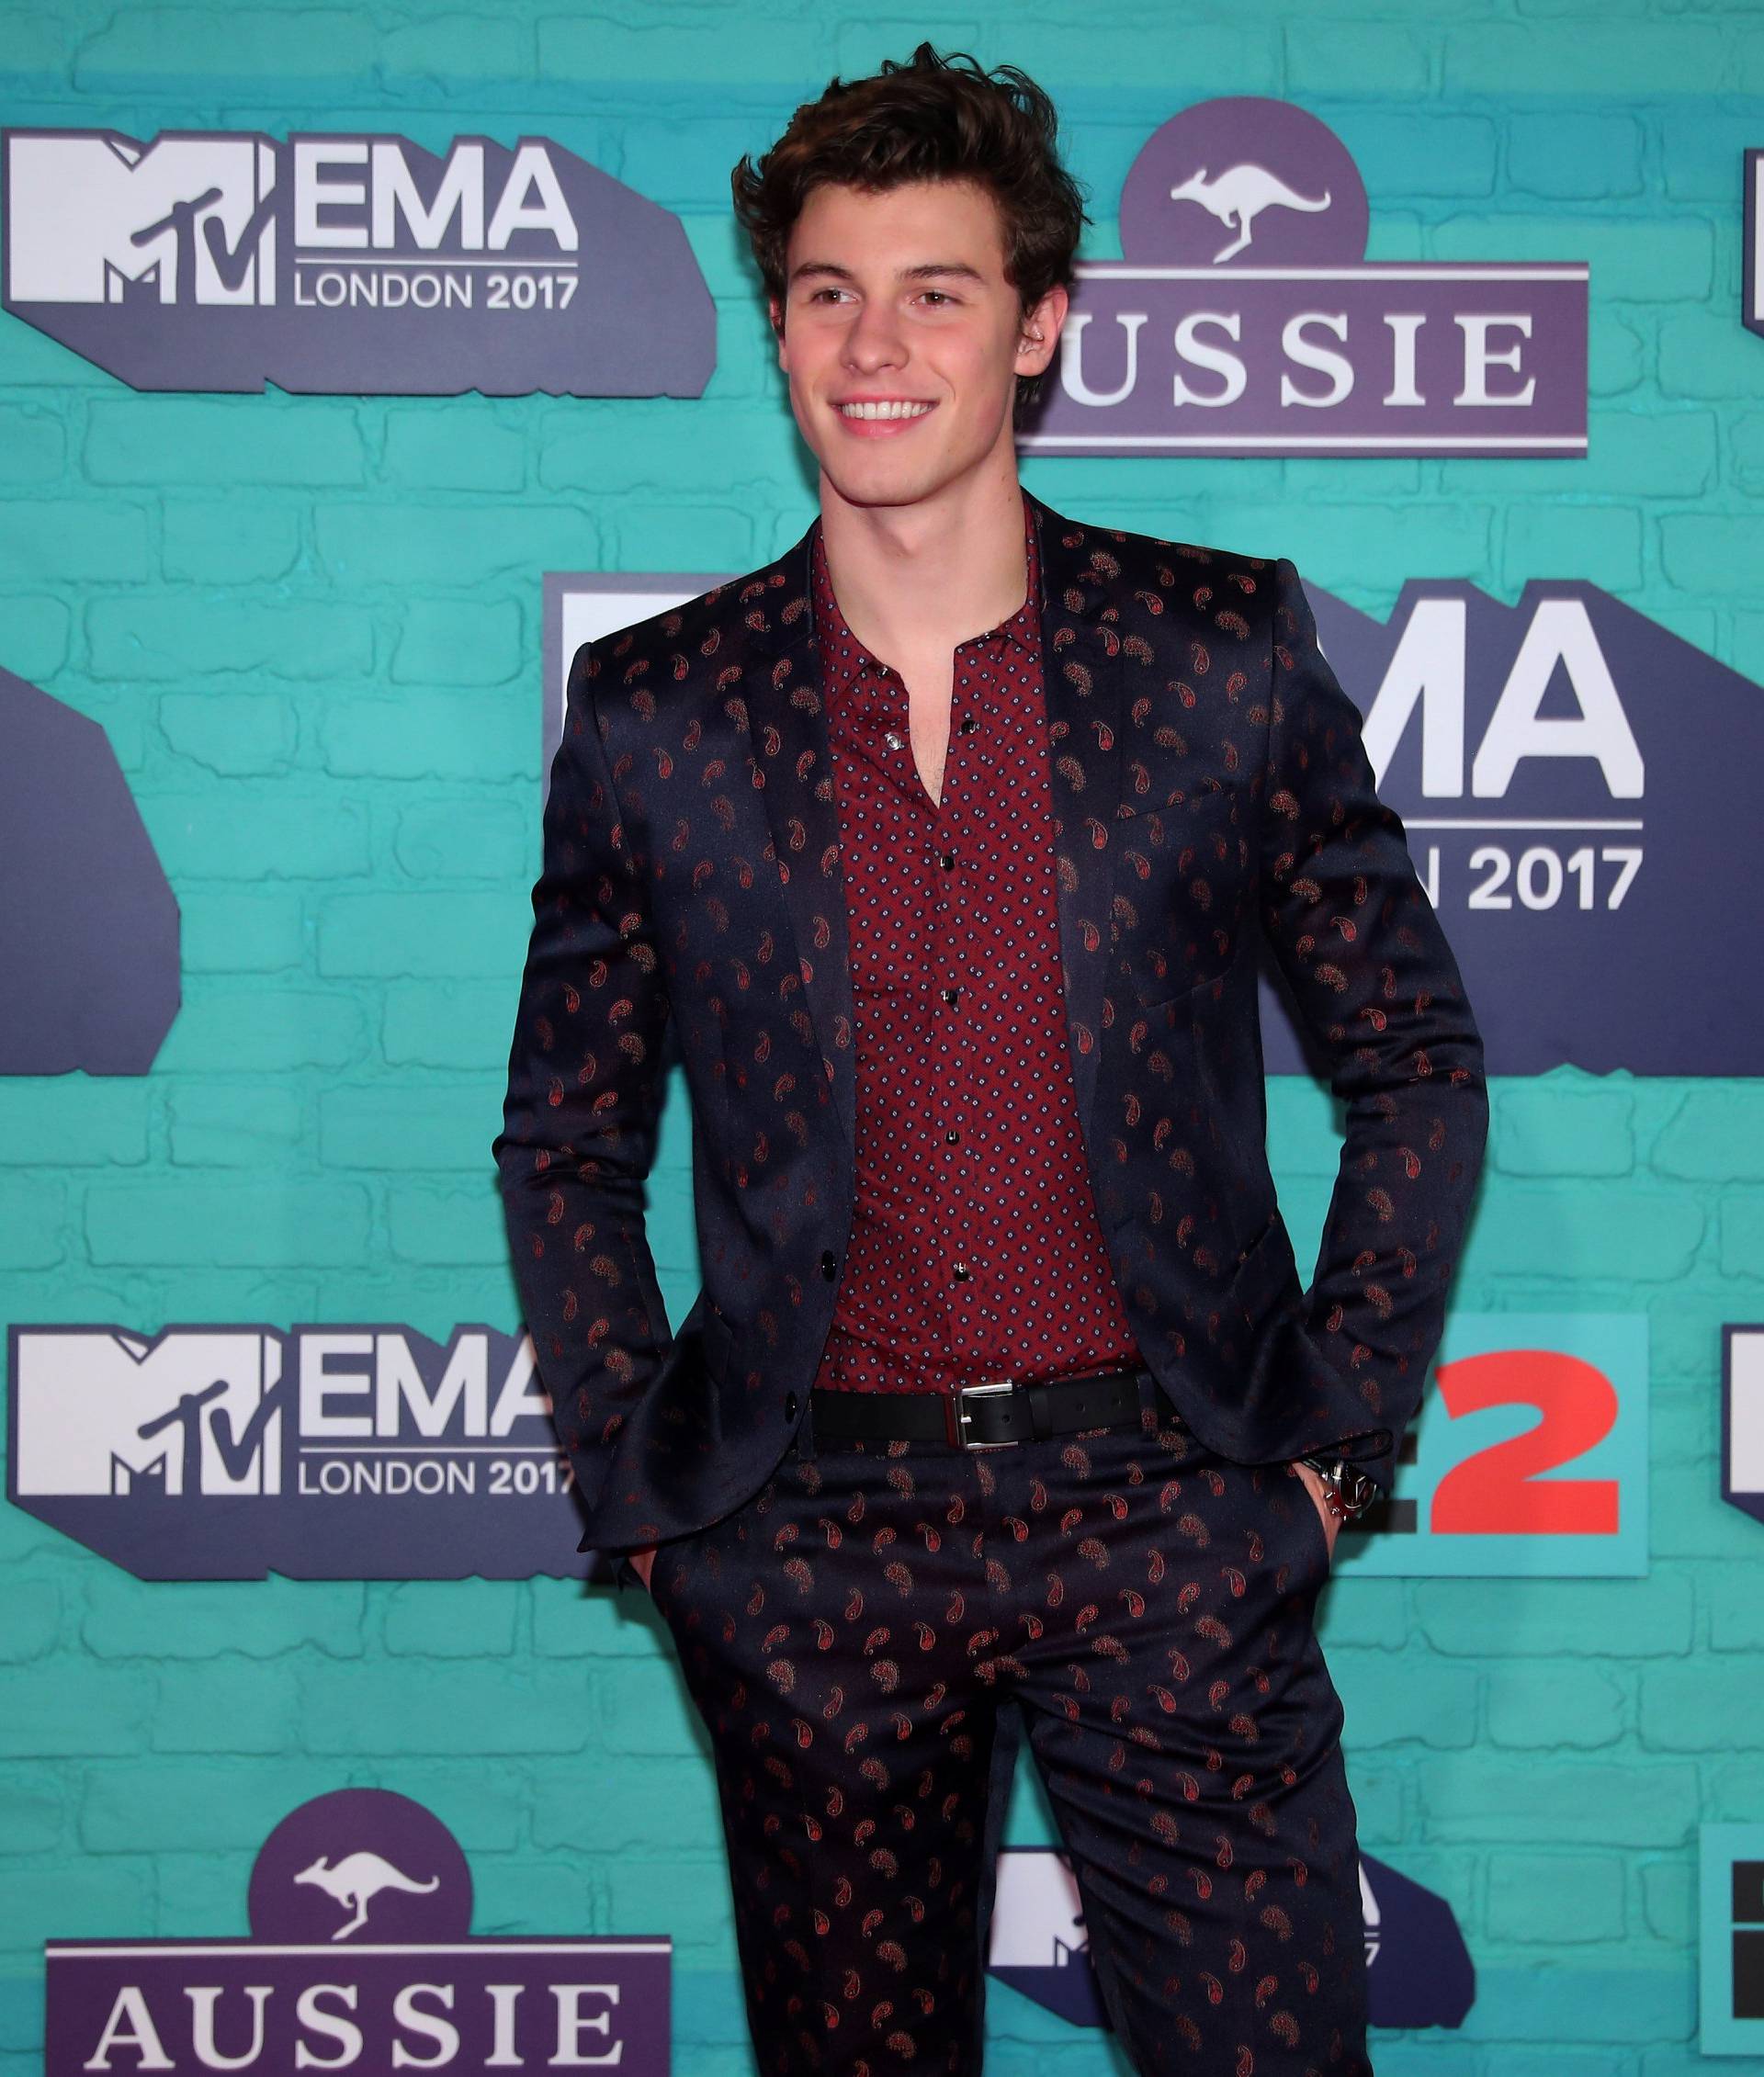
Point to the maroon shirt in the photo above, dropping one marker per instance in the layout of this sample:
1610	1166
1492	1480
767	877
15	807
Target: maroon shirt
976	1250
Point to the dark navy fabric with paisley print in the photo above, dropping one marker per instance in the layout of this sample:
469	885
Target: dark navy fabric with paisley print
849	1635
1211	793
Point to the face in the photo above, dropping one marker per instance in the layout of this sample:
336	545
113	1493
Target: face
902	339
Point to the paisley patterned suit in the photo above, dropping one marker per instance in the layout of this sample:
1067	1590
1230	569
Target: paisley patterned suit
1208	777
850	1618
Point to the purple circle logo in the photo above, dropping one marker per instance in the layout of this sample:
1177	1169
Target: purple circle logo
360	1864
1245	181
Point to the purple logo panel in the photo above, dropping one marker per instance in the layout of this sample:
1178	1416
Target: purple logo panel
360	1864
1246	180
1418	1969
361	1957
89	928
1568	772
326	1453
350	265
1245	319
1441	360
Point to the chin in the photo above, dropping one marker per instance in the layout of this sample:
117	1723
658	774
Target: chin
895	484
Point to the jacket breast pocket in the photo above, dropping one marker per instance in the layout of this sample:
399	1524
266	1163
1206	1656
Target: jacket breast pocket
1183	893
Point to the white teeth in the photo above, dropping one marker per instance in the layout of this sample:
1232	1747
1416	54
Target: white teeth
884	411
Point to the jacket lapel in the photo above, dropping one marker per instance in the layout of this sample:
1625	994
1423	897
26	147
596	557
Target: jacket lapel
1081	670
793	768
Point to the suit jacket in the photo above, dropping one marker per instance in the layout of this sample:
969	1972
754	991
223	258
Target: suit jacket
1210	791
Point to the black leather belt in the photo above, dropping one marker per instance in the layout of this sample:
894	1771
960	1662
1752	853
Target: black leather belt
988	1416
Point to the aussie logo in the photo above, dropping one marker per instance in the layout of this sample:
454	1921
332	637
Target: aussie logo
400	1984
332	1452
1244	317
89	927
350	263
1420	1971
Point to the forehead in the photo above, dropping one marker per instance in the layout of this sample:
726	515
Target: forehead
918	220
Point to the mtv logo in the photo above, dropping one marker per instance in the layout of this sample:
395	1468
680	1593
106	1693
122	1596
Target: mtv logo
1037	1942
102	1413
1037	1919
94	216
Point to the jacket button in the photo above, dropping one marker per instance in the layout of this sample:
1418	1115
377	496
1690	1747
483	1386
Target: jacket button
829	1266
789	1405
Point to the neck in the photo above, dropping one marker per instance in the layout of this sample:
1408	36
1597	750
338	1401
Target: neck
918	578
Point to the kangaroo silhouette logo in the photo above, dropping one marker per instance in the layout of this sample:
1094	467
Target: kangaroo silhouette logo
1277	178
1238	197
361	1861
357	1880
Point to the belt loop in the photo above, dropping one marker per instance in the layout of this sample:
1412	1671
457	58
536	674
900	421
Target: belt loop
1040	1421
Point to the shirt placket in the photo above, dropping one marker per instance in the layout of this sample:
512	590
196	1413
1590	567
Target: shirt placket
956	840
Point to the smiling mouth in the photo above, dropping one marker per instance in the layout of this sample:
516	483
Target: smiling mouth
901	410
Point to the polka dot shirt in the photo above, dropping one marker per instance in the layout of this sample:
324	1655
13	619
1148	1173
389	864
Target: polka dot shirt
975	1250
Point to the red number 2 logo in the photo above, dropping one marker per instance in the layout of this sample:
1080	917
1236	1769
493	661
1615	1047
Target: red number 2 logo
1497	1491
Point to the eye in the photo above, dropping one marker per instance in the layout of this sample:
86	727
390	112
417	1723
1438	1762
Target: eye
942	295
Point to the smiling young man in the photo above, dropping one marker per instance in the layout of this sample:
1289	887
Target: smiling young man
947	842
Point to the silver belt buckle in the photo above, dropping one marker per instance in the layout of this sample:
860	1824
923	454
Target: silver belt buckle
957	1417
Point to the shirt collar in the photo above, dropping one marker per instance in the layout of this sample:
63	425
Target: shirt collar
846	657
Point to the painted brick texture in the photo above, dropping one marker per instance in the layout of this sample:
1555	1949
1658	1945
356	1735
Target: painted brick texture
311	628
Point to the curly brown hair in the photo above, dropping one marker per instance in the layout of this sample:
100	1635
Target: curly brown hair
933	117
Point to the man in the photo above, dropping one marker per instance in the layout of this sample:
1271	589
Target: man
947	841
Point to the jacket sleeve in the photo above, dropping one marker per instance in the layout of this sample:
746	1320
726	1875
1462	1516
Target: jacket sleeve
583	1094
1379	990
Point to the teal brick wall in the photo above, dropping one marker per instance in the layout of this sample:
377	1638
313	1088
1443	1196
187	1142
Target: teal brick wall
312	629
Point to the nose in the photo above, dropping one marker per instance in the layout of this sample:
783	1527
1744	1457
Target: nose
874	339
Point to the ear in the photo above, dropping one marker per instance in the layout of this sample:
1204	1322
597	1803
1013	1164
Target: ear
775	314
1039	334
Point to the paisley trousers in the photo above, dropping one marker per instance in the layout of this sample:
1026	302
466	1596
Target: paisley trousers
849	1635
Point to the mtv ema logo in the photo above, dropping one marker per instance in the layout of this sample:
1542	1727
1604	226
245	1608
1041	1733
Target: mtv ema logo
1418	1969
1569	775
89	928
351	265
360	1956
223	1453
1244	318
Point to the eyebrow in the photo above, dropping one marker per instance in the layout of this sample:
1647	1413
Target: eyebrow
929	269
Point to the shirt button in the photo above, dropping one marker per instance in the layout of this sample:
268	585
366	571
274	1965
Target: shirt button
892	740
789	1405
829	1266
950	996
969	723
947	860
962	1272
953	1138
